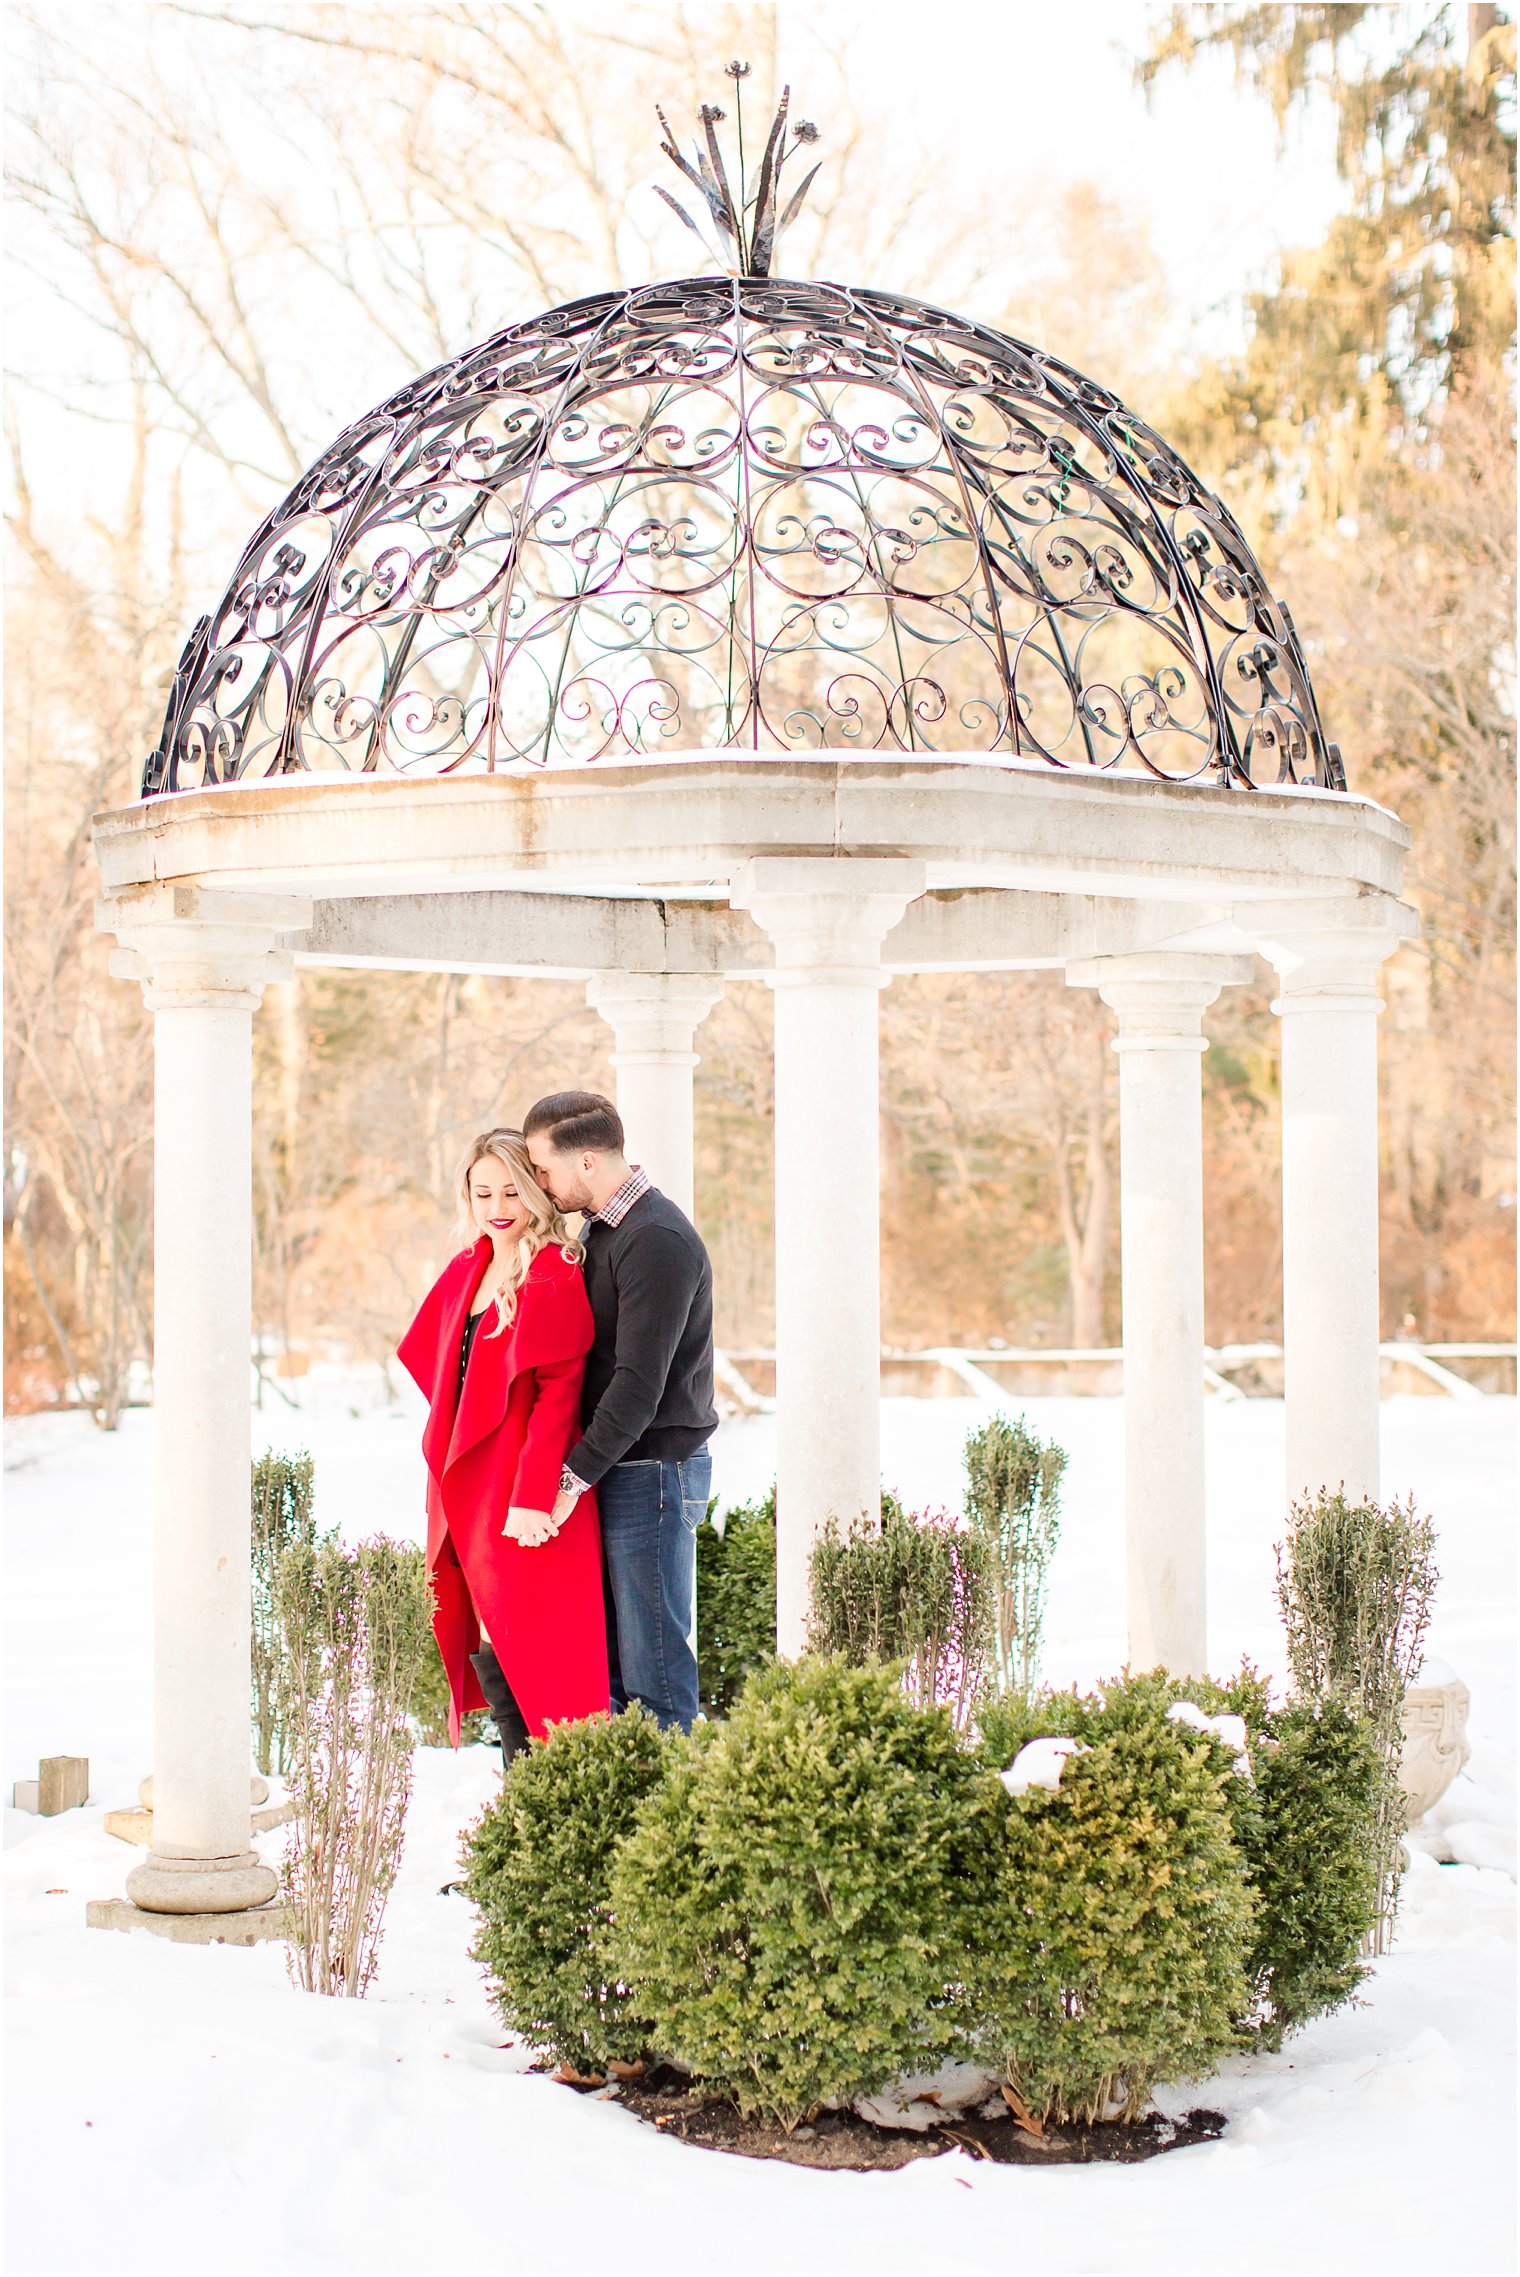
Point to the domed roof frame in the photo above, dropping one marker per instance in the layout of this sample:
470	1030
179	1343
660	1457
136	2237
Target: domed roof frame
755	515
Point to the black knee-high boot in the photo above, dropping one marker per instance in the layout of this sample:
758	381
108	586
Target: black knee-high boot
505	1713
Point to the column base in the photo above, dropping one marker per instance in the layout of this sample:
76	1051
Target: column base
252	1927
201	1885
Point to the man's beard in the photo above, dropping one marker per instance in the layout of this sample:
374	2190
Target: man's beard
578	1197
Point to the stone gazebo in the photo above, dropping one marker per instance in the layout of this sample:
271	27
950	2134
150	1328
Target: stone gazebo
739	629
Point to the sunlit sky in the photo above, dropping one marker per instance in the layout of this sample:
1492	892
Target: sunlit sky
1020	91
1017	98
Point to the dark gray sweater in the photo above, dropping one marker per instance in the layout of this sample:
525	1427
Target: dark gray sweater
648	1393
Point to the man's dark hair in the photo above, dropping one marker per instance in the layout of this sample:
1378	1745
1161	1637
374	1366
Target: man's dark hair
577	1122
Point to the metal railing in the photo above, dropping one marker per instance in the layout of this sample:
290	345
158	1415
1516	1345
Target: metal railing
979	1371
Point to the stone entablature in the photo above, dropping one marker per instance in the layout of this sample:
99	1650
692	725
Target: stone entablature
680	827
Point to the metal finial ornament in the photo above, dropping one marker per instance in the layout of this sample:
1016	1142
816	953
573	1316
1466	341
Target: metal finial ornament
748	226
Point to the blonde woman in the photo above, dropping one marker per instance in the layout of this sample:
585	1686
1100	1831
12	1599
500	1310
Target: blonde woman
498	1349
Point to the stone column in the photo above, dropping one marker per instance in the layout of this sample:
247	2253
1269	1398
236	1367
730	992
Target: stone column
1328	956
204	960
1160	998
827	920
654	1017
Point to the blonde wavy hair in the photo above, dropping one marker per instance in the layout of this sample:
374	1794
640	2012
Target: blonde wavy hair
545	1227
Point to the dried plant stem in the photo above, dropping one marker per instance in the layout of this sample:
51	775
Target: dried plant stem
354	1625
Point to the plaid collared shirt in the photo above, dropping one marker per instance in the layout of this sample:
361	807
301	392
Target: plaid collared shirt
616	1208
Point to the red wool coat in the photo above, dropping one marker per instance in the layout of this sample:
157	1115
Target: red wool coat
501	1447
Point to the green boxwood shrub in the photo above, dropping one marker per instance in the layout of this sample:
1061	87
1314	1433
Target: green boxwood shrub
537	1866
795	1902
1008	1721
1306	1825
1309	1840
736	1596
828	1890
1117	1944
736	1600
1303	1825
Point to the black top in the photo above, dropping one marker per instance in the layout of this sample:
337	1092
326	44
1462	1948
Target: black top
472	1321
648	1395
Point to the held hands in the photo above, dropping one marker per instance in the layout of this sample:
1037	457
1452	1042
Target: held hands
530	1527
535	1527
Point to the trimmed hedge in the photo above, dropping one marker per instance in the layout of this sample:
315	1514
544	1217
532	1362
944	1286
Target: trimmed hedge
796	1901
1121	1914
736	1596
830	1889
1310	1849
538	1864
736	1600
1303	1825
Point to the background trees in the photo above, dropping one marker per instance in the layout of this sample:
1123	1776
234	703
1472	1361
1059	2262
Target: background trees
231	233
1365	436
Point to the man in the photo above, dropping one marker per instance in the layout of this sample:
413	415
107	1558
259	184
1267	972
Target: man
647	1408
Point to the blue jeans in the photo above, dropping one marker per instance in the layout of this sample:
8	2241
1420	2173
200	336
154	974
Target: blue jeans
650	1515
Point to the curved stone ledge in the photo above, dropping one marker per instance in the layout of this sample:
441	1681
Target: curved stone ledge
680	827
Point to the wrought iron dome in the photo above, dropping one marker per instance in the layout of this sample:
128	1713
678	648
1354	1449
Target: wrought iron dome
746	514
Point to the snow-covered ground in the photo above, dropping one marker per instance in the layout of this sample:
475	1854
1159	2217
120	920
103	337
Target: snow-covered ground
175	2109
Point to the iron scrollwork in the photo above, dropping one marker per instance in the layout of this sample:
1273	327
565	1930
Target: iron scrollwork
740	513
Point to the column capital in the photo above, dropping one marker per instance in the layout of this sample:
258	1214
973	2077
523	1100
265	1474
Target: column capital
1160	995
1329	953
190	947
826	918
654	1015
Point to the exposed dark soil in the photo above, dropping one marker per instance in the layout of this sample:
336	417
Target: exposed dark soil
839	2139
